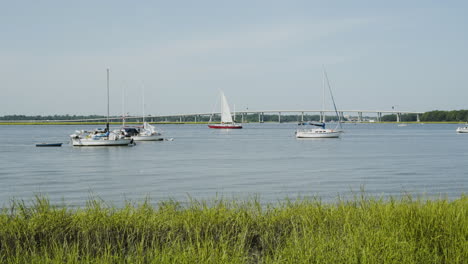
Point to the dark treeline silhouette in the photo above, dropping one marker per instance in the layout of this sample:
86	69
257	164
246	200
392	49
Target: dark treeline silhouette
403	118
448	116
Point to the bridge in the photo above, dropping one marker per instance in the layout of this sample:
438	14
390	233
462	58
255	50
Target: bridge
260	113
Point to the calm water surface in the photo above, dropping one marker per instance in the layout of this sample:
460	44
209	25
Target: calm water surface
265	160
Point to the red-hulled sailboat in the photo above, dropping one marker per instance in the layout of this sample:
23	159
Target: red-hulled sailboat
226	118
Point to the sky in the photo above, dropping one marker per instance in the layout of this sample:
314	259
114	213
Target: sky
264	55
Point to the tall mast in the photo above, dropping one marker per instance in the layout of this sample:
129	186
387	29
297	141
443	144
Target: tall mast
323	97
123	107
107	125
143	95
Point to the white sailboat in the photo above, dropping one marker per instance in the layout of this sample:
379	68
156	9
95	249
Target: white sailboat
101	137
226	117
322	132
146	132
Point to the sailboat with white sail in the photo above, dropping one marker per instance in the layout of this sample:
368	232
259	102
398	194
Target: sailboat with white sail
226	117
322	132
101	137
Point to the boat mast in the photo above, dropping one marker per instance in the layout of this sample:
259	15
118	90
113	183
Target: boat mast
143	95
123	107
107	125
323	98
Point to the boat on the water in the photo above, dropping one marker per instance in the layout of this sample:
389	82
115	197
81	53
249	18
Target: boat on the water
49	144
226	118
146	132
101	137
462	129
321	132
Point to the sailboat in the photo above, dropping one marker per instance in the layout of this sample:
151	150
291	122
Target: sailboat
226	117
146	132
322	132
101	137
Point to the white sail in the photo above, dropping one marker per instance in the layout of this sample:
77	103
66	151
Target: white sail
225	111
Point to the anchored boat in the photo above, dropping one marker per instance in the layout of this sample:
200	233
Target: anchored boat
321	132
49	144
226	117
462	129
101	137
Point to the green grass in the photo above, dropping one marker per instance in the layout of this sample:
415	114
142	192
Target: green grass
363	230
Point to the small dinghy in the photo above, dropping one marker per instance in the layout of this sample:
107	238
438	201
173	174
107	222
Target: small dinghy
49	144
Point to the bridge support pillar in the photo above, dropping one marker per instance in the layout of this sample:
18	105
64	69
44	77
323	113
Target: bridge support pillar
279	117
242	117
359	117
302	117
341	116
417	118
180	119
263	117
259	117
398	117
379	116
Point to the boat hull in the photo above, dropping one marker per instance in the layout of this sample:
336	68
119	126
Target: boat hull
49	145
148	138
84	142
318	133
220	126
462	130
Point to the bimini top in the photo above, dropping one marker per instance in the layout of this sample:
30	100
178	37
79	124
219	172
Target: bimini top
322	125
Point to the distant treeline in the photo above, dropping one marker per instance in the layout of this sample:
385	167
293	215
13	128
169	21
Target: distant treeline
49	117
403	118
449	116
432	116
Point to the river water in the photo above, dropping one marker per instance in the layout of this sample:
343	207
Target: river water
262	160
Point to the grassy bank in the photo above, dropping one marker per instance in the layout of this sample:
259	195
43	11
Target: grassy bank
363	230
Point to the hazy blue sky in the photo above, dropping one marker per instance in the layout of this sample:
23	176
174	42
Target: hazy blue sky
263	54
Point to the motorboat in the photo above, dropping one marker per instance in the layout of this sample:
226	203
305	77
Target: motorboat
462	129
226	118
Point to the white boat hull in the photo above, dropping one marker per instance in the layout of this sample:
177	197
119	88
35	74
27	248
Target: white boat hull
462	130
318	133
85	142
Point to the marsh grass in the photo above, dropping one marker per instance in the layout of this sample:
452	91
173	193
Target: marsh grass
361	230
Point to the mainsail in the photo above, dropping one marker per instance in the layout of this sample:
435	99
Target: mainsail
225	111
